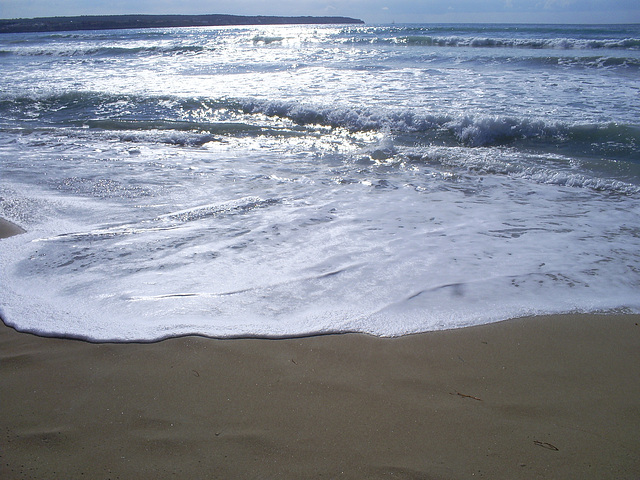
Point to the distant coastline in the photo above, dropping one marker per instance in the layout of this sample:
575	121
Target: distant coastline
112	22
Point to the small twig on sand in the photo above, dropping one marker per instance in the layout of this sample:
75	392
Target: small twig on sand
466	396
546	445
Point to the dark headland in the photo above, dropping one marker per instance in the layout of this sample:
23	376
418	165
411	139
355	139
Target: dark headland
111	22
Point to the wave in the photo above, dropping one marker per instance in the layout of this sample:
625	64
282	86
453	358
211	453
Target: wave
500	35
598	61
528	43
229	116
105	51
577	30
470	131
508	37
601	157
550	169
267	39
76	108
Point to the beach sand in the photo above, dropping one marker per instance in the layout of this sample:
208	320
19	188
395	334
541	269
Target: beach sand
8	229
553	397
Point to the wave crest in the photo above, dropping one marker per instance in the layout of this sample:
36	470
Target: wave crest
228	116
528	43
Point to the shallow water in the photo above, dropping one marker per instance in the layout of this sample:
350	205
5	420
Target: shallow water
278	181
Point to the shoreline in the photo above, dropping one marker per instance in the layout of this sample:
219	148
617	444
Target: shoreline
539	397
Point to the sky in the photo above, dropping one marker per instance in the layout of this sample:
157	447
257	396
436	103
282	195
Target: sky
371	11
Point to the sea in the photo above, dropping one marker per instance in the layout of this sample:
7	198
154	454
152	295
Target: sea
283	181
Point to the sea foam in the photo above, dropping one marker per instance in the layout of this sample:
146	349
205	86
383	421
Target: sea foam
282	181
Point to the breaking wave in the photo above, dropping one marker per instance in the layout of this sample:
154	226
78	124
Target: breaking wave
529	43
226	116
110	51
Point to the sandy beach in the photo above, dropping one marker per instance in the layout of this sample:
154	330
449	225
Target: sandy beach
272	183
550	397
553	397
8	229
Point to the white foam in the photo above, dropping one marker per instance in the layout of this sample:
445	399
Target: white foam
386	261
315	184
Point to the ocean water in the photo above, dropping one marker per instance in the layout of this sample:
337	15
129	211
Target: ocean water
293	180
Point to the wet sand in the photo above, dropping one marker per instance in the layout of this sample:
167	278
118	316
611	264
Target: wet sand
548	397
8	229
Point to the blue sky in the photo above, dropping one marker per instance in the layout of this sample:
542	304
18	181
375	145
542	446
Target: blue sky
371	11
